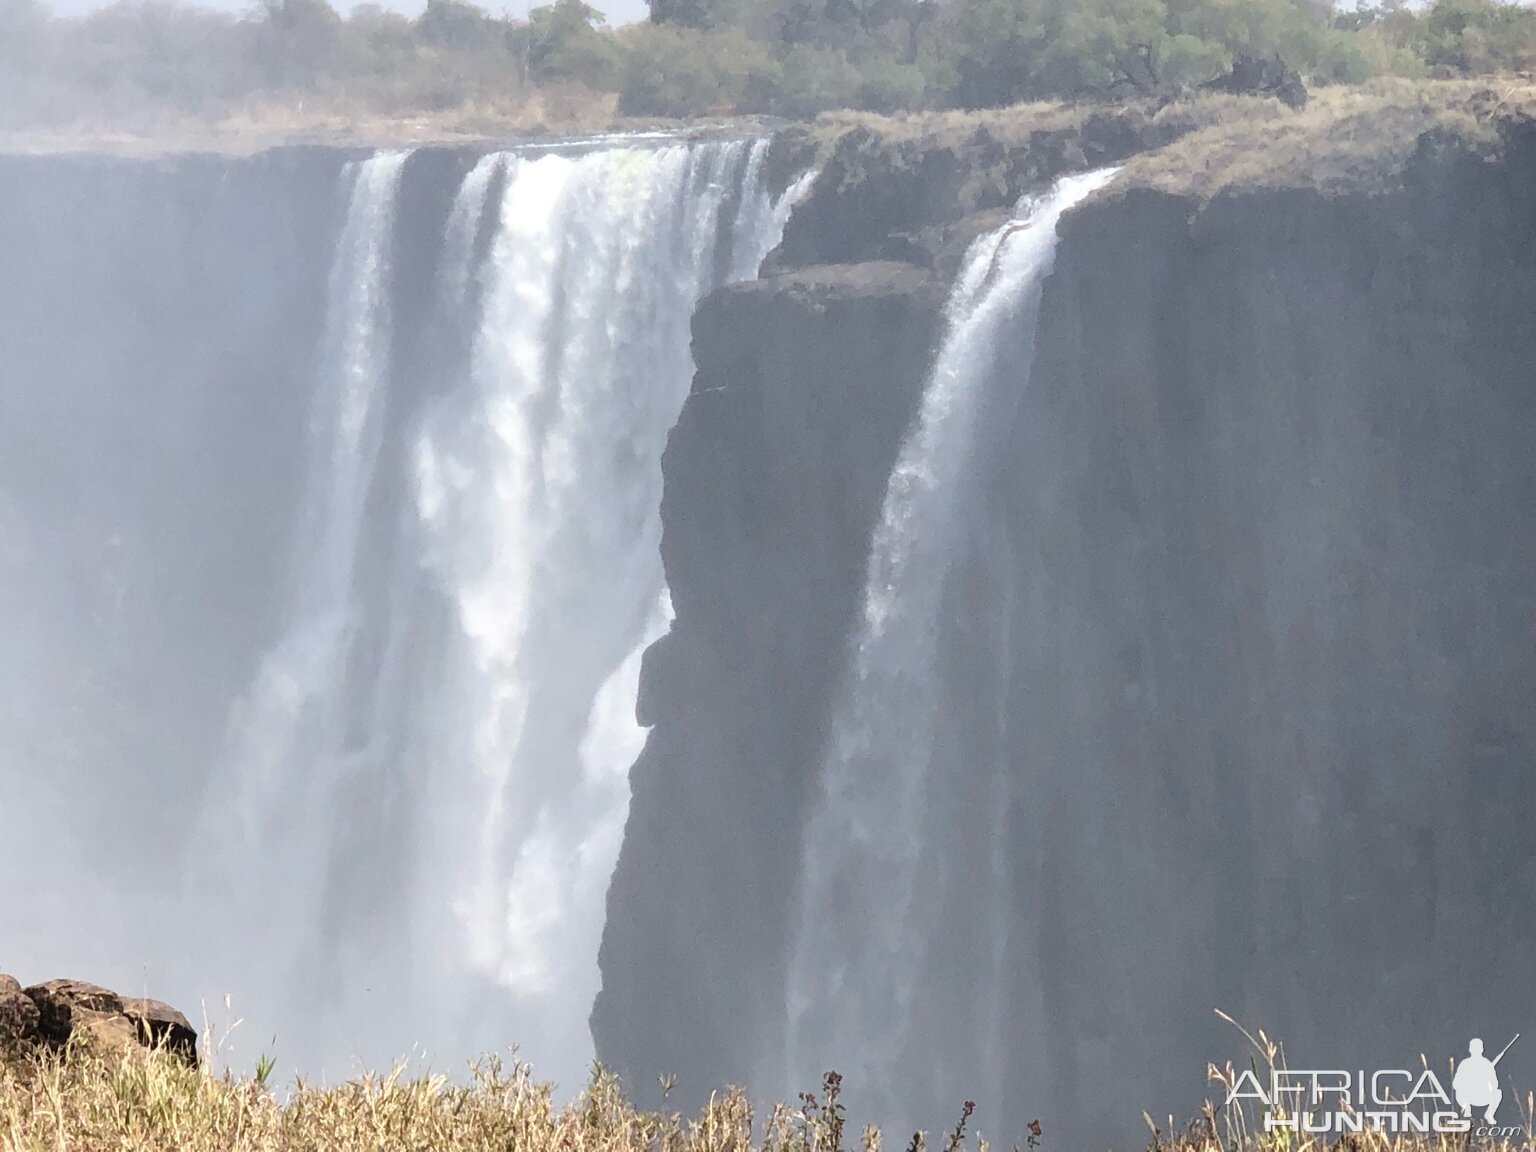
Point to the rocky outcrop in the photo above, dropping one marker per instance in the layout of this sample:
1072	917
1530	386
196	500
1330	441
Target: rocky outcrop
19	1017
1264	75
158	1025
887	194
1241	621
60	1013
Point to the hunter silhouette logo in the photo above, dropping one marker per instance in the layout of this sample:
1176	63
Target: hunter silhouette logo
1477	1081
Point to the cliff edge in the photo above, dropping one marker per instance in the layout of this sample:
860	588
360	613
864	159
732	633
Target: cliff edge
1242	619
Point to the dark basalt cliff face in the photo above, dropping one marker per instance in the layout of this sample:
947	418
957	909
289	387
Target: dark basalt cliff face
1244	616
775	471
1273	498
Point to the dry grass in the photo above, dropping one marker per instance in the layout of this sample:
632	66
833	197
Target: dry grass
1018	121
1013	127
1347	136
260	124
1355	137
85	1104
154	1104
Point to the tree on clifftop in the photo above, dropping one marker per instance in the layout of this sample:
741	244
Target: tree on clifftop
700	14
565	40
297	39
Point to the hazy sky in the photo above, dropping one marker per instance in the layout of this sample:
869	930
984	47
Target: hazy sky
619	11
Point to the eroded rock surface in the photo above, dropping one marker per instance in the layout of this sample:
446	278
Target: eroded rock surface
19	1018
58	1013
158	1025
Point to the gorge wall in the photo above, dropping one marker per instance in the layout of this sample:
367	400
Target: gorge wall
1235	656
333	516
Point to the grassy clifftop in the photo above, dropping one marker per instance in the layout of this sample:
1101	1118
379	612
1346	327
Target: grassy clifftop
1355	138
916	188
1344	135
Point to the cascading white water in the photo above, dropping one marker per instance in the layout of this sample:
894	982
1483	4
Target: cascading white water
857	970
287	714
464	221
467	785
761	219
539	485
264	840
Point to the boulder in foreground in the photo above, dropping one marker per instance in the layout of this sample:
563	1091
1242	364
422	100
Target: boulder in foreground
57	1013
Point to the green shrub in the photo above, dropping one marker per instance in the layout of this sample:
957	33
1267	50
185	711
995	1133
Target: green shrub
674	70
886	84
452	24
566	42
815	79
140	59
1474	37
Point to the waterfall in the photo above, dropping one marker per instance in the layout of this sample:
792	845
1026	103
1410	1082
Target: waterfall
762	218
858	973
430	782
291	711
265	836
464	223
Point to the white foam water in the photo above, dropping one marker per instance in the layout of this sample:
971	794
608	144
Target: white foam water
858	963
429	832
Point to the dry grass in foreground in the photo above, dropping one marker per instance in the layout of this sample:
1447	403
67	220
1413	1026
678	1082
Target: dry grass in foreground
85	1104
